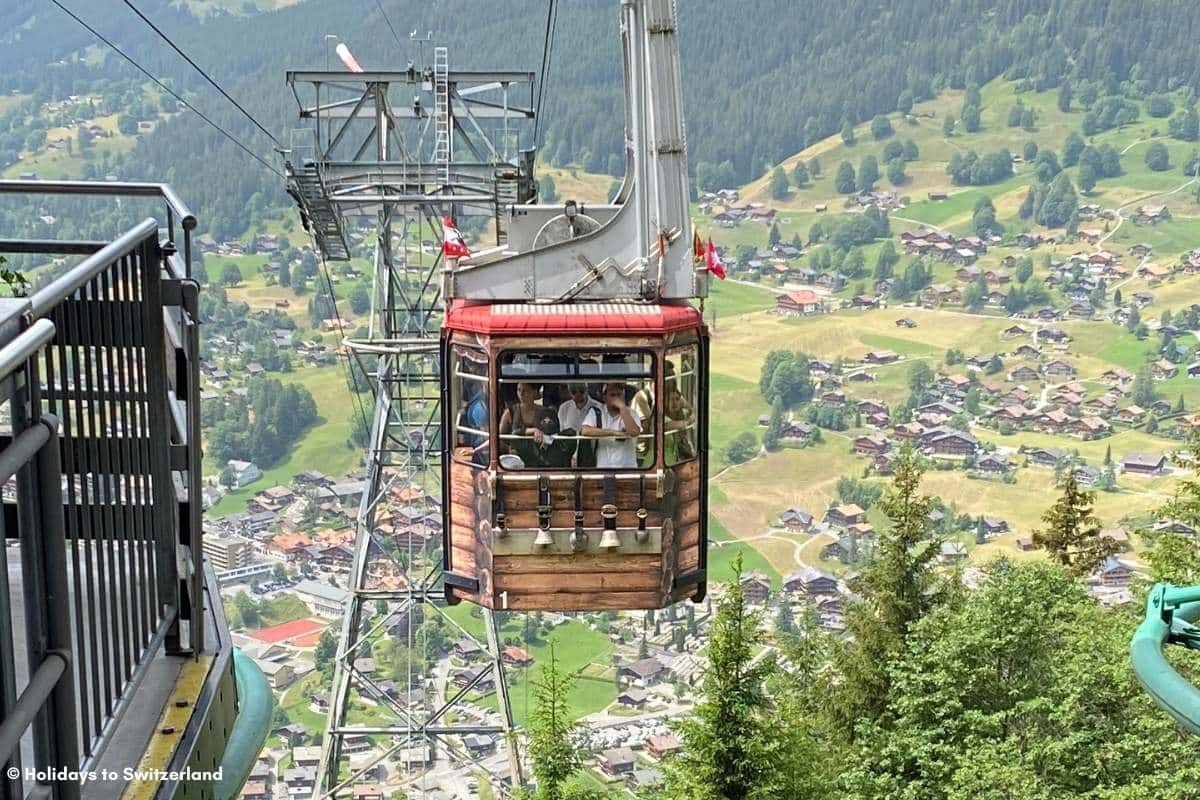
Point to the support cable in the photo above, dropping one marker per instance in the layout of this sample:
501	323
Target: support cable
203	74
167	89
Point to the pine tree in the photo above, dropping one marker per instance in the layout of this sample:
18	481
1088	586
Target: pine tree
725	754
898	588
1072	532
1108	455
553	758
779	184
774	426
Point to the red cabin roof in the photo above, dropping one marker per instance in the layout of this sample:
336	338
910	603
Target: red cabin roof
568	318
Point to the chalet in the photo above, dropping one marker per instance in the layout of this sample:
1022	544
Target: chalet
1173	526
937	197
1046	456
1118	535
1112	573
1014	414
1104	404
1028	240
1090	235
1065	398
1027	350
869	407
1144	463
1163	369
864	301
1081	308
811	581
1016	396
466	649
952	552
796	520
797	432
871	444
968	274
862	530
993	526
478	678
1102	258
1053	421
1142	299
1116	375
941	293
660	747
1056	335
618	761
908	431
1025	544
949	442
1130	414
1153	272
963	255
906	322
831	280
834	398
880	357
1086	475
840	549
885	464
1190	422
845	515
757	588
1061	368
1023	374
1013	331
632	698
1089	428
997	276
954	383
644	673
801	303
1149	215
993	464
515	656
940	408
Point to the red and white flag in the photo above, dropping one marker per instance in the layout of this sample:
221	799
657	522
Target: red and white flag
453	245
713	261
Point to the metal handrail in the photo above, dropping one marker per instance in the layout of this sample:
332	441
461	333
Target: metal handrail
67	284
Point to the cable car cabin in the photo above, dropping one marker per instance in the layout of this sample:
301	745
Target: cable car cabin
577	460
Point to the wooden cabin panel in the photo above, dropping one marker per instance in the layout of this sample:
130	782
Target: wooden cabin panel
689	491
462	561
591	519
566	602
581	563
688	471
688	535
688	560
645	580
521	544
688	514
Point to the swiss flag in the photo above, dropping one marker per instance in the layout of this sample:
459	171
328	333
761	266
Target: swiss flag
453	245
713	261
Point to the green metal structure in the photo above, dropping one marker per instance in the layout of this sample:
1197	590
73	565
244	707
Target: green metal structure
1170	612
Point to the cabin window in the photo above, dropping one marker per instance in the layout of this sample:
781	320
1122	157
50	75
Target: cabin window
469	399
561	409
681	390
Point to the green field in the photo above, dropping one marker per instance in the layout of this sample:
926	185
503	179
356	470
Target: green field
576	645
325	447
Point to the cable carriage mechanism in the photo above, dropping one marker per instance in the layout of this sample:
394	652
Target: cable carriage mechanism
575	389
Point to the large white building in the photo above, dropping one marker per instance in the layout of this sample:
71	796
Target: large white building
323	599
225	554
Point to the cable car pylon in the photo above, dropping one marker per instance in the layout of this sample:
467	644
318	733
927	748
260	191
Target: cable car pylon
366	158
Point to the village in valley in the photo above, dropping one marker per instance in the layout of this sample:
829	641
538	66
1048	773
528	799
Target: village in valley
930	315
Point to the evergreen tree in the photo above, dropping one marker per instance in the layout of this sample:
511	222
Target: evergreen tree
847	133
971	119
1086	178
774	427
1072	532
800	175
779	184
844	180
948	126
898	588
868	174
881	127
1072	147
896	174
553	757
773	235
1143	393
1064	97
1158	158
726	754
1108	455
1030	151
814	167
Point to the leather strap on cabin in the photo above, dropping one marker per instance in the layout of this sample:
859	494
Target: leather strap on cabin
609	510
580	535
498	508
544	507
641	512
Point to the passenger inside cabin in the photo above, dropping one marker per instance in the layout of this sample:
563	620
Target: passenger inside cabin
538	427
579	408
617	432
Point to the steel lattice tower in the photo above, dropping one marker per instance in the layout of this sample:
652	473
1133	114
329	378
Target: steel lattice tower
405	148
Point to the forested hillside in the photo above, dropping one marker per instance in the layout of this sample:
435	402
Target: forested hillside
786	75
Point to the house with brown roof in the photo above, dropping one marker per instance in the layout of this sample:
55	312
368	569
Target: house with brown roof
515	656
797	304
1130	414
660	747
845	515
1144	463
1023	374
1163	370
1089	428
1060	367
1053	421
871	444
880	357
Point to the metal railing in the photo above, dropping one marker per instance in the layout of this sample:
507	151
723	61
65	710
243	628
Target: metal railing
31	455
121	372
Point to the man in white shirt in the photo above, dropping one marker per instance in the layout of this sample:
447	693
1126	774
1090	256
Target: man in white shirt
618	431
577	410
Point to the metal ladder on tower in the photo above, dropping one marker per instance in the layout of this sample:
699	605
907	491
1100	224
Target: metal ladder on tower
318	213
443	151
